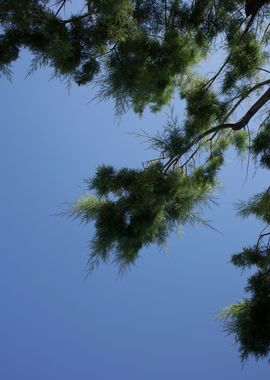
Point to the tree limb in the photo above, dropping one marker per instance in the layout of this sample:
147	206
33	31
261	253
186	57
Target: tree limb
252	89
240	124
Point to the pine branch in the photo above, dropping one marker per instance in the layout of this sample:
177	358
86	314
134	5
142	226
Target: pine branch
250	91
68	21
241	124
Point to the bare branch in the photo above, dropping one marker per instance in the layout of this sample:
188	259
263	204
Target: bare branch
61	6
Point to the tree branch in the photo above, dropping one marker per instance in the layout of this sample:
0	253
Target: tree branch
76	18
61	6
252	111
242	123
252	89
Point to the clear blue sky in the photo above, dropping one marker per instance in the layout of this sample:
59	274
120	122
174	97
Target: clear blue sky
158	321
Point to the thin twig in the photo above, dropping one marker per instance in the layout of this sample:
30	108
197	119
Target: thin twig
61	6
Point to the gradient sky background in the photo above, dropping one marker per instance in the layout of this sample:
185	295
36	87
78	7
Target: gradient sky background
158	322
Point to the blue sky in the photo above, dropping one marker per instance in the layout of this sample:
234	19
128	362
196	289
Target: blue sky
155	323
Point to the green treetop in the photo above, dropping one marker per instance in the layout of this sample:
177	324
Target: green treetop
141	53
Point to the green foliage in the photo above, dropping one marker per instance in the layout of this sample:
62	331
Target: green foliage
251	256
259	205
244	59
134	208
203	107
240	141
171	141
261	146
143	70
138	51
249	320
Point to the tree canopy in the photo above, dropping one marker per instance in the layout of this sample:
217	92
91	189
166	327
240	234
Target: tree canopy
141	54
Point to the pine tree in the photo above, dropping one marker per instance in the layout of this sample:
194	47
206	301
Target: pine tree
141	53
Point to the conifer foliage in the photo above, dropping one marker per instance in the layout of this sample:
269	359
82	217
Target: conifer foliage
249	320
141	53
